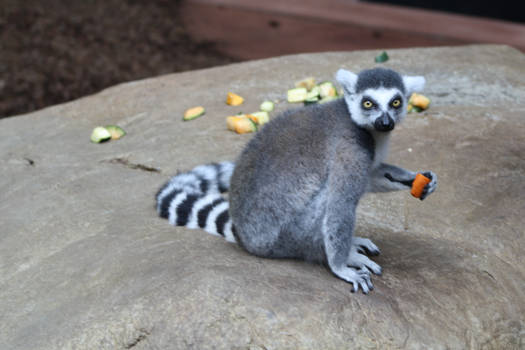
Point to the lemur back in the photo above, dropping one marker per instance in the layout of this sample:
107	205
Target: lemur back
282	179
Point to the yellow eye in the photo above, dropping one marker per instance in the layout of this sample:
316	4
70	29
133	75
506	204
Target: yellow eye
368	104
396	103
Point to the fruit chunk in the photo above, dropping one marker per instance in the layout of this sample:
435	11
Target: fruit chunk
234	99
418	100
327	89
116	131
193	113
100	134
241	124
267	106
313	93
259	118
312	96
297	95
418	185
412	108
311	100
307	83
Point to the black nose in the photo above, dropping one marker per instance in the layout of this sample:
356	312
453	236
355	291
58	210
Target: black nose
384	123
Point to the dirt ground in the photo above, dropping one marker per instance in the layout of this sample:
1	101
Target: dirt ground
58	50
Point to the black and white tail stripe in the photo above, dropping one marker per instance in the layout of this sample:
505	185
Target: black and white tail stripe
193	199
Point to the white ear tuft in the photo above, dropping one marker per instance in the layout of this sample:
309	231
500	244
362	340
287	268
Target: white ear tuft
413	84
347	80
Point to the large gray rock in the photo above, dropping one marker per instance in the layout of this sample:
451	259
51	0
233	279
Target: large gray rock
86	264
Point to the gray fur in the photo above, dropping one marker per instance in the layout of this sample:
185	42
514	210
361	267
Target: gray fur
379	77
291	174
296	185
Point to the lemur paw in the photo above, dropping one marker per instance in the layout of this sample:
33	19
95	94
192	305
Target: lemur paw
365	246
431	186
359	278
361	261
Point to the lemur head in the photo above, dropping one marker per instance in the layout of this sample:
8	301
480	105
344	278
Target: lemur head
377	98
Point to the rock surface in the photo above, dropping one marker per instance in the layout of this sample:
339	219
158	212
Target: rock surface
86	264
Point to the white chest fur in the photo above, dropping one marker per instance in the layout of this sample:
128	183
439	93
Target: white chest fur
382	140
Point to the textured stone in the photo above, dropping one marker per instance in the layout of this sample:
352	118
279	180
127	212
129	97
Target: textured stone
86	264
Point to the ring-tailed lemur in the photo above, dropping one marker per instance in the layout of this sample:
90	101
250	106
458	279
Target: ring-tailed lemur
296	185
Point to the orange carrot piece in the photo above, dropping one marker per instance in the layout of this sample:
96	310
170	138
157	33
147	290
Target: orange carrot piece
418	185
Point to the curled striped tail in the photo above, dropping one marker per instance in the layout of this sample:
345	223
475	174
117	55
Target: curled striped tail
193	199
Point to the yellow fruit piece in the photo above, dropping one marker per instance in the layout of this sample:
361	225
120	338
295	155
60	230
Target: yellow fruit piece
234	99
193	113
231	121
241	124
307	83
419	100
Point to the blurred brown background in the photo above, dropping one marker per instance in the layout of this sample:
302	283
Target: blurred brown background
55	50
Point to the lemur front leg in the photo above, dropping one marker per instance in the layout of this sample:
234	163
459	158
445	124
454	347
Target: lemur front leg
362	261
388	177
338	225
365	246
357	257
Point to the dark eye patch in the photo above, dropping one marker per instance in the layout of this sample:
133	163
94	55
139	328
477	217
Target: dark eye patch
396	97
368	98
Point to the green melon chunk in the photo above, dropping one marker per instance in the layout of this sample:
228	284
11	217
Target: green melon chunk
261	117
311	101
267	106
312	94
116	131
297	95
100	134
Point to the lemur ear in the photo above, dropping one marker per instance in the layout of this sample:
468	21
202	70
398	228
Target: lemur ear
347	80
413	84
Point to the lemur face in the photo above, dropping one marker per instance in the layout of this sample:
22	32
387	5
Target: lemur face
377	98
378	109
